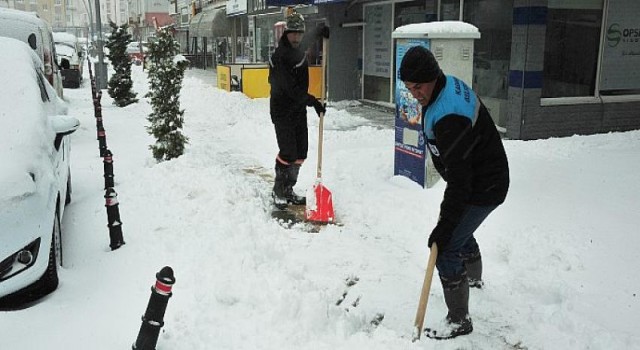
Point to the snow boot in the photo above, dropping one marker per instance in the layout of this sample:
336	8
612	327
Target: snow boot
457	322
473	264
279	186
292	179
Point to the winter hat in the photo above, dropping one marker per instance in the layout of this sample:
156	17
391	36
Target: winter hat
294	23
419	66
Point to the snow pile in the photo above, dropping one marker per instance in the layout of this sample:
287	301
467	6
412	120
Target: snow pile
559	255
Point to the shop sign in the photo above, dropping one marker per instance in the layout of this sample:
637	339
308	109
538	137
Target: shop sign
236	7
377	41
621	51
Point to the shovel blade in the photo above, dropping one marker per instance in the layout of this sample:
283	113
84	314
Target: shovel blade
320	210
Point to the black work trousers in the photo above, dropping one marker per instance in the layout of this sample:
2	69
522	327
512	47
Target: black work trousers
292	136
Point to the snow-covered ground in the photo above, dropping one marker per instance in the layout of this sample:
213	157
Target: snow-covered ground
560	255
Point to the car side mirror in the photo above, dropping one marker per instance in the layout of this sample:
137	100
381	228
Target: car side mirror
64	124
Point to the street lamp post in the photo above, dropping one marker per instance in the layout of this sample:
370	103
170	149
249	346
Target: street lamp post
100	67
87	7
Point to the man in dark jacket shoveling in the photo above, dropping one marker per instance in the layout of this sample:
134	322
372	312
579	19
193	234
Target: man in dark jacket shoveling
289	79
468	153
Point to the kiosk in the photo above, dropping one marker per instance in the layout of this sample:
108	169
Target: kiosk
452	44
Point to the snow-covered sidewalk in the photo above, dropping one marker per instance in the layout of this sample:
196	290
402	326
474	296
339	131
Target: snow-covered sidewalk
559	255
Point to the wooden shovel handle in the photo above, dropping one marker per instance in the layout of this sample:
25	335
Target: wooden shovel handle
424	296
325	56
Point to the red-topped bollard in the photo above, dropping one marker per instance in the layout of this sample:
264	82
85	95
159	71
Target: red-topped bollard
113	218
152	320
107	160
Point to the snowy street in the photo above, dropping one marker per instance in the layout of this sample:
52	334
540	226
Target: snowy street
560	255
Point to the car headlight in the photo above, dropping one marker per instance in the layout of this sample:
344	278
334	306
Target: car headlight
20	260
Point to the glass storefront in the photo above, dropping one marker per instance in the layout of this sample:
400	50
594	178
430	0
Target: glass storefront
413	12
449	10
265	42
583	58
571	48
377	52
492	52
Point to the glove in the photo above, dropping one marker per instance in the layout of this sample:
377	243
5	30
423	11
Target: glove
318	106
441	234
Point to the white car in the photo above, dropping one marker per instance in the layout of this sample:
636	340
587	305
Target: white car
70	55
33	30
35	180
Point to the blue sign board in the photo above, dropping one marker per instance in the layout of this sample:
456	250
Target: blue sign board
410	153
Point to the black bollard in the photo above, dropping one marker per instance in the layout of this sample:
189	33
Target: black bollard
152	320
102	142
113	219
107	160
101	135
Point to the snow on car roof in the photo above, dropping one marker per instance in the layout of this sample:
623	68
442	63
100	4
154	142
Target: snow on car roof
64	49
20	25
61	37
25	137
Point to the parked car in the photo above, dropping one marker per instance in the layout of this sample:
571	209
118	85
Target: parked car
136	55
70	57
31	29
35	178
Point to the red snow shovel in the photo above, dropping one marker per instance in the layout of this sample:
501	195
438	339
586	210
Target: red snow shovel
424	296
320	208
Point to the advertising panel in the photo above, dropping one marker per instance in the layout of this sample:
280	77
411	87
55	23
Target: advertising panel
410	153
621	51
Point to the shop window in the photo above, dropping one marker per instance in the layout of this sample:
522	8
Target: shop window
571	48
449	10
377	53
265	38
413	12
492	52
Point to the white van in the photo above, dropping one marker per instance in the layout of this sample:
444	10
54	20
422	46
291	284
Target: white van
69	59
36	32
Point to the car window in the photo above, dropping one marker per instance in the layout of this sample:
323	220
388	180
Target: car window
33	41
64	49
43	89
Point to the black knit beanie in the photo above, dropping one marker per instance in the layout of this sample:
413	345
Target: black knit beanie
419	66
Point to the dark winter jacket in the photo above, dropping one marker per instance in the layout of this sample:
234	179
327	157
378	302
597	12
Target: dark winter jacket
466	149
289	79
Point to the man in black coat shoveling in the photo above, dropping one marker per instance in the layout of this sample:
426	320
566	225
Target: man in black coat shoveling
468	153
289	79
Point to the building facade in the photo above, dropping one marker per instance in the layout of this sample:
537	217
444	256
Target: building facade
544	68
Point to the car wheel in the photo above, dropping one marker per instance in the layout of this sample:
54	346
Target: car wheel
67	198
49	281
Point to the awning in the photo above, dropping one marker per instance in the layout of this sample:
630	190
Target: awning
210	23
162	18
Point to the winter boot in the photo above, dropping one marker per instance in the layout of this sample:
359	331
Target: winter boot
279	186
292	197
473	263
457	322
